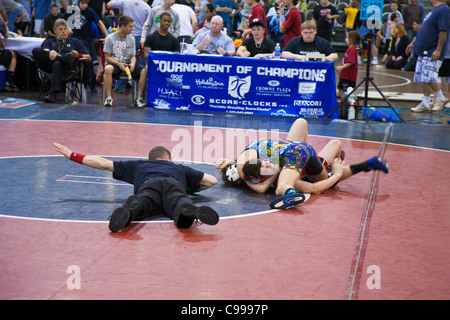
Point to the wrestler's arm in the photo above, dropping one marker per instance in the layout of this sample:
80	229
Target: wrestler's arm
262	186
323	185
91	161
207	182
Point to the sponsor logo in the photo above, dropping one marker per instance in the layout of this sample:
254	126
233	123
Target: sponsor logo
237	87
198	99
306	87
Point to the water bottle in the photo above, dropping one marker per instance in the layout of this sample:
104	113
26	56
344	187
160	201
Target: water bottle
351	113
127	71
109	30
277	51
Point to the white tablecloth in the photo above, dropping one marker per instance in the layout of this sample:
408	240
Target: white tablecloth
23	45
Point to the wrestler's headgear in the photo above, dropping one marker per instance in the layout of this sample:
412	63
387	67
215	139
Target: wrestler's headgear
232	173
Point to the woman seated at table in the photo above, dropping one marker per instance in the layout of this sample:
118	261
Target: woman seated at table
57	55
397	56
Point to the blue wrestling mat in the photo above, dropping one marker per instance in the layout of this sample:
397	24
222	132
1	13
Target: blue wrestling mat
52	187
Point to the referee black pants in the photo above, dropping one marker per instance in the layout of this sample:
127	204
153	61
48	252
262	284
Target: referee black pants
165	195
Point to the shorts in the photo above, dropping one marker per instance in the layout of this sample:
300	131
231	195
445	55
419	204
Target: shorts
344	84
38	25
5	58
302	157
444	70
427	70
135	74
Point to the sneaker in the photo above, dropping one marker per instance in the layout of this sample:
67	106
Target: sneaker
108	102
439	104
447	106
205	214
10	87
421	108
122	216
50	97
287	201
377	163
140	102
374	61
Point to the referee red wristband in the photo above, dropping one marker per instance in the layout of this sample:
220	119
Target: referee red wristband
77	157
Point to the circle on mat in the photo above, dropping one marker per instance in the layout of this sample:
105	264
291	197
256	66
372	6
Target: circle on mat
52	187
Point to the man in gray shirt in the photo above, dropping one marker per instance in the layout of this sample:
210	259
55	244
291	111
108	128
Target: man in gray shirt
215	41
120	56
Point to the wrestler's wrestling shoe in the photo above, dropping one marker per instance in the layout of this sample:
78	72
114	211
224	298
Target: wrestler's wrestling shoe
122	216
377	163
204	214
287	201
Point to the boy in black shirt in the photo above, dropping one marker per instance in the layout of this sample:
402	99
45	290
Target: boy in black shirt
256	46
159	187
298	47
162	39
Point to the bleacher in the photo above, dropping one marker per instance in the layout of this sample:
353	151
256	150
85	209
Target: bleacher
338	40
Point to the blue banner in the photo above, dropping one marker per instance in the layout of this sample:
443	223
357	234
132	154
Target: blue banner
241	85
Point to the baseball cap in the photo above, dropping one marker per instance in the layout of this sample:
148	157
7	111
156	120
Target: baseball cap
257	22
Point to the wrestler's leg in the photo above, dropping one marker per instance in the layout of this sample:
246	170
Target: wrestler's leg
288	197
298	131
331	151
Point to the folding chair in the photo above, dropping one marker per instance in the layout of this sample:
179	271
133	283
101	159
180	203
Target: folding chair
73	83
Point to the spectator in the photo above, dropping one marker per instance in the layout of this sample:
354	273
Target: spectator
292	26
41	8
411	12
188	21
120	54
207	10
22	23
138	10
206	25
257	46
412	59
398	56
215	41
204	11
298	47
444	71
348	71
8	58
324	15
50	19
152	23
302	6
390	36
351	12
83	27
99	6
273	21
189	3
162	39
257	12
394	9
430	50
223	9
57	56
